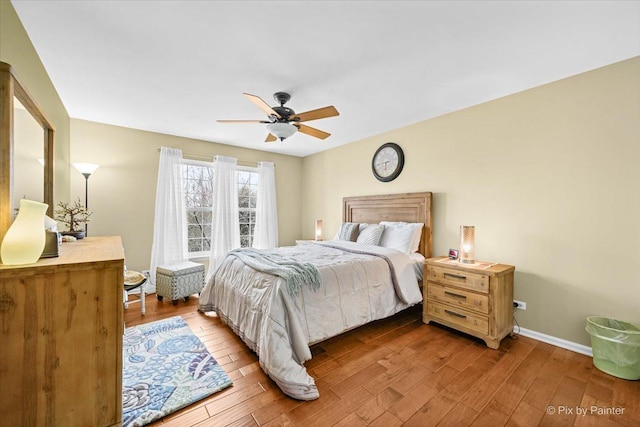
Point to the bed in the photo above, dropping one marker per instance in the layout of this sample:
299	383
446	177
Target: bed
335	286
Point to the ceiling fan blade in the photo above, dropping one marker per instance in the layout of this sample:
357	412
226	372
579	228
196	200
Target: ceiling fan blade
242	121
270	138
313	131
320	113
259	102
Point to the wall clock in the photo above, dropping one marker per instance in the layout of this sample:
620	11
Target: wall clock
387	162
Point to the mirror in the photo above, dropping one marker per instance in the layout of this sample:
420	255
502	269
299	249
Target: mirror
28	157
26	135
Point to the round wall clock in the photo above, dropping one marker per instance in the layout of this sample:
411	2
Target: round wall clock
387	162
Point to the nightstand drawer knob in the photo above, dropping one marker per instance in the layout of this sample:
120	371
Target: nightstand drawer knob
451	294
453	313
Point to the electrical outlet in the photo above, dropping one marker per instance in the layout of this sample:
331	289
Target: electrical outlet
519	305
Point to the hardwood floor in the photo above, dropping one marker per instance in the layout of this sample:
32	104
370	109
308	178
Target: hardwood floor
399	371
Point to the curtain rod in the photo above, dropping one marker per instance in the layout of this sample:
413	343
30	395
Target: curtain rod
192	156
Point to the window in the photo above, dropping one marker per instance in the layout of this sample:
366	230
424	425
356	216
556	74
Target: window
198	192
198	189
247	195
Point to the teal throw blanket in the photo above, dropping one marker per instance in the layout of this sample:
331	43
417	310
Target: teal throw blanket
294	273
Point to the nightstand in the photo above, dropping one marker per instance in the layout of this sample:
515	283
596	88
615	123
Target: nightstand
476	299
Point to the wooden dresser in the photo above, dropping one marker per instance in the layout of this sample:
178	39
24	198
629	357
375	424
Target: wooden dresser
61	337
473	298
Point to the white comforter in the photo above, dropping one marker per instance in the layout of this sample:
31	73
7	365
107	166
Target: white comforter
357	288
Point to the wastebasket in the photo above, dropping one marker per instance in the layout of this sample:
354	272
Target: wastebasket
616	346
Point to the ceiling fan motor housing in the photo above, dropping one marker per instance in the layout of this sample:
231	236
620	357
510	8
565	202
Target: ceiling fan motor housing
284	112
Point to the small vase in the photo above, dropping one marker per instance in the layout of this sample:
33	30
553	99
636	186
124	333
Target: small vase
25	239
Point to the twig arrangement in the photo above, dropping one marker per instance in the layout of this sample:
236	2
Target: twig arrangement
72	215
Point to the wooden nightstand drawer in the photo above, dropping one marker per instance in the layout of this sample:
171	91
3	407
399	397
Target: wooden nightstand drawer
463	279
458	297
459	317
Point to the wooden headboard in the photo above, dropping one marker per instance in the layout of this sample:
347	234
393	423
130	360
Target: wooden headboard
407	207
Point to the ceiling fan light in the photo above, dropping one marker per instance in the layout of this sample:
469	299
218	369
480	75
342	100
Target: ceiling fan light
281	130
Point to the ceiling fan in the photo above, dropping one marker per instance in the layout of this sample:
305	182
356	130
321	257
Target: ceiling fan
283	121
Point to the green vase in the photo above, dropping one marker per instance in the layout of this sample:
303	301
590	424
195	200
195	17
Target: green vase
25	239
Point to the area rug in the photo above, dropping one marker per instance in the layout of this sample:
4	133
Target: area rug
165	368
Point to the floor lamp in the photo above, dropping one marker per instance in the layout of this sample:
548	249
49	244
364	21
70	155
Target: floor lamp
86	169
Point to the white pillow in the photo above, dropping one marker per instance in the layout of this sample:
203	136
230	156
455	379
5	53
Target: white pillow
370	234
398	238
414	228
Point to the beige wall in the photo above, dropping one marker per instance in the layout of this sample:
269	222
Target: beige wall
550	177
16	49
122	191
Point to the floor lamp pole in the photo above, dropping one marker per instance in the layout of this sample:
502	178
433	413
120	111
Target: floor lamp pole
86	199
86	169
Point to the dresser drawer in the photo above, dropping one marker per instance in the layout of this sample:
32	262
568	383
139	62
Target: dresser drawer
458	297
463	279
476	322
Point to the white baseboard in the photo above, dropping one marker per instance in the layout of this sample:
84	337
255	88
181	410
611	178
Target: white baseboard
558	342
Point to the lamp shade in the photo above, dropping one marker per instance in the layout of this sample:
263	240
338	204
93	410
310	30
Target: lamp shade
25	239
281	130
467	244
319	229
86	168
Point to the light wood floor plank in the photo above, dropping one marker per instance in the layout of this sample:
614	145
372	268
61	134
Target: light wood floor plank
432	412
460	415
386	420
525	415
406	407
378	405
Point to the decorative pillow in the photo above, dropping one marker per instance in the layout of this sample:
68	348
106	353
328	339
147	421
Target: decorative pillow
416	228
370	234
337	236
349	231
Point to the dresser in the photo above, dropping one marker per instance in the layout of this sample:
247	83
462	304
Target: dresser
473	298
61	330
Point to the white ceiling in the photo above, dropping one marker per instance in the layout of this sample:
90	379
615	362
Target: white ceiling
176	67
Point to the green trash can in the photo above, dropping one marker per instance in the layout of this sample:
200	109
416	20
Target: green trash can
616	346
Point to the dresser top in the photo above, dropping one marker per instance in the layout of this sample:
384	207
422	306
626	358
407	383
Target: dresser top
88	251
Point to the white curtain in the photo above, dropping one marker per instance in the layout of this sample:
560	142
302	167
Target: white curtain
225	226
170	221
265	235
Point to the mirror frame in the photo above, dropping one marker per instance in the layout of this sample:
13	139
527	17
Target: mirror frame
10	86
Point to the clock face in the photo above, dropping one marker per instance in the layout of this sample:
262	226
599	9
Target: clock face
387	162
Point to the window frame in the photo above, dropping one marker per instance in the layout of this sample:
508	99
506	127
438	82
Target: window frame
201	163
251	210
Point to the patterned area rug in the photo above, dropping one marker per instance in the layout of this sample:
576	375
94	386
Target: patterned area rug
165	368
